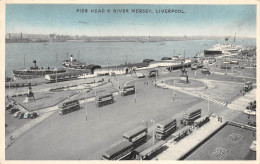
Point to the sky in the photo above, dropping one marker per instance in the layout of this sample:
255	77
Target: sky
196	20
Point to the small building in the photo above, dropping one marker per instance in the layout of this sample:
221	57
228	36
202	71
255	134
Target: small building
67	76
92	67
147	60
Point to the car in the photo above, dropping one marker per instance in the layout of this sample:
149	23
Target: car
205	70
140	75
26	115
20	115
253	146
13	110
252	124
194	67
33	115
250	112
16	114
9	106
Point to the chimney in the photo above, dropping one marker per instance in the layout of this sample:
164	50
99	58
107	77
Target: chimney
21	35
34	63
71	57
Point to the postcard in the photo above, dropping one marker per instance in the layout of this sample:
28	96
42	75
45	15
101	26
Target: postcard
173	81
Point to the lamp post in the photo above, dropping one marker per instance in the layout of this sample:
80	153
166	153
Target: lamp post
135	92
85	101
208	104
153	129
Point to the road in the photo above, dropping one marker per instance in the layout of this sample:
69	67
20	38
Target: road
72	137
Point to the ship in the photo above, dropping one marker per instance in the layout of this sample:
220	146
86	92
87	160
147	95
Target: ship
220	50
73	64
35	72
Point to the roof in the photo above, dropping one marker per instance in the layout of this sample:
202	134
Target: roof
200	119
134	131
75	73
165	122
166	58
130	86
121	146
93	66
147	60
185	128
152	148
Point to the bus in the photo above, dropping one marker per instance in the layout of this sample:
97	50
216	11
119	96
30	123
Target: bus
153	73
148	151
104	100
69	106
189	118
137	136
121	151
165	128
128	90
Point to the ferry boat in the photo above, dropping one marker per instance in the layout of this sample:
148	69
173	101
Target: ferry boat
73	64
34	72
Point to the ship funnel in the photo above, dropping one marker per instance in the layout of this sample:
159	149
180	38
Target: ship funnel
226	41
71	57
34	64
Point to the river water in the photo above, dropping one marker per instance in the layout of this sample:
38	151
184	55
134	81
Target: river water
21	55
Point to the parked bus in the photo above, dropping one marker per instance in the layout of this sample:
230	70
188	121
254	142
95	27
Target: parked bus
121	151
189	118
165	128
128	90
147	151
104	100
137	135
69	106
153	73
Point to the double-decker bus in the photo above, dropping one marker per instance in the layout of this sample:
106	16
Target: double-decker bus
121	151
147	153
189	118
104	100
165	128
69	106
137	136
128	90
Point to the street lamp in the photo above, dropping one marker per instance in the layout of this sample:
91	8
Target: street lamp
208	104
85	101
135	92
153	129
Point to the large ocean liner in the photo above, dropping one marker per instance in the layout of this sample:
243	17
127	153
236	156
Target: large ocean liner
223	49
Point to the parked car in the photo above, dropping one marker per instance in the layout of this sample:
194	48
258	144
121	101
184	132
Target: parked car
13	110
20	115
253	146
26	115
33	115
250	112
16	114
205	70
252	124
140	75
9	106
194	67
